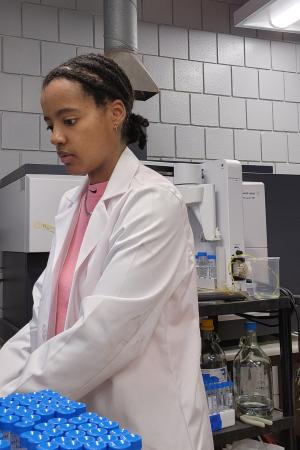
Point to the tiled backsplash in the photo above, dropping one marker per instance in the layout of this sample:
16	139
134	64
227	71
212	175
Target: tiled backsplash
225	92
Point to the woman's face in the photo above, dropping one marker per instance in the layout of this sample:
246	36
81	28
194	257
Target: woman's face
83	132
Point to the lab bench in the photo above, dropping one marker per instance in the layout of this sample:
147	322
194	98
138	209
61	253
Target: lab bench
283	422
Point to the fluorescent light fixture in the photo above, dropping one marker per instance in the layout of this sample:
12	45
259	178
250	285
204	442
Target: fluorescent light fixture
276	15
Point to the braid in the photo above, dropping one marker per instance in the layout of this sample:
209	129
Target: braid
104	80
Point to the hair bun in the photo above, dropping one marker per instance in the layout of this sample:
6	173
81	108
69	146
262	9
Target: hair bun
135	130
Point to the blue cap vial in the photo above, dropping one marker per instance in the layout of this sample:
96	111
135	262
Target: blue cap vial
121	444
60	440
65	427
78	420
48	445
35	440
57	421
87	426
134	439
42	426
4	411
89	415
53	432
109	424
4	444
97	445
7	422
250	326
85	439
66	412
22	426
32	417
108	438
73	434
45	413
97	420
71	444
97	432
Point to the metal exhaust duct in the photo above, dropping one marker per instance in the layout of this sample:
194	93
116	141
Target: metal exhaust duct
120	44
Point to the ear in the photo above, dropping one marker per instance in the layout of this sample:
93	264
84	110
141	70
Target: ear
118	113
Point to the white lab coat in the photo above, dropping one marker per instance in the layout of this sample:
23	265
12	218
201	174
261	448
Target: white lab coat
131	344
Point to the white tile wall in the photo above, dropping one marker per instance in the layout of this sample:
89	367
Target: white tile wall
284	56
93	6
188	76
232	112
247	145
157	11
215	16
9	161
288	169
173	42
257	53
35	157
149	109
217	79
161	69
203	46
190	142
76	27
230	50
161	140
274	146
40	22
271	85
285	116
294	147
10	88
204	110
99	32
27	137
10	17
148	38
244	82
219	143
292	87
175	107
45	134
54	54
259	115
28	59
31	92
60	3
187	14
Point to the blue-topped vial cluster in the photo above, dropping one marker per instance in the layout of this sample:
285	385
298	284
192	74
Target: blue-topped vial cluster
46	420
219	394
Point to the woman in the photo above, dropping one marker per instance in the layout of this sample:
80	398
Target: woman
115	318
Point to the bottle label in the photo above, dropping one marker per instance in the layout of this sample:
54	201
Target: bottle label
220	373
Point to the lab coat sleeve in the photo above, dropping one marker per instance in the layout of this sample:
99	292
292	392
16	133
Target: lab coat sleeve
148	258
16	352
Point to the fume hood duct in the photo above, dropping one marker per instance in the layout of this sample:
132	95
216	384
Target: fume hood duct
120	44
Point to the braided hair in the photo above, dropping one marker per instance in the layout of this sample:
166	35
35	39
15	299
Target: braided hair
104	80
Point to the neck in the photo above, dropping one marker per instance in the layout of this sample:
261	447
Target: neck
103	173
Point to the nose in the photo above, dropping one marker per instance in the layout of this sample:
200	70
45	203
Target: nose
57	137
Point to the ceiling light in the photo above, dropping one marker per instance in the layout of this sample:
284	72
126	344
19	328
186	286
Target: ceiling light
276	15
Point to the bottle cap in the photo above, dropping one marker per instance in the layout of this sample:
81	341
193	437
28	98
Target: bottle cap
109	424
134	439
78	420
87	426
23	425
7	422
121	444
96	445
71	444
207	325
66	412
57	421
211	256
250	326
32	417
4	444
85	439
48	445
199	254
65	427
75	433
53	432
97	432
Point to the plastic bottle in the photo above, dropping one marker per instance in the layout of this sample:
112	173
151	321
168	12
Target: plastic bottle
212	268
202	264
252	373
213	360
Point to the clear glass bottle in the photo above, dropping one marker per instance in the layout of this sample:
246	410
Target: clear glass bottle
252	375
213	360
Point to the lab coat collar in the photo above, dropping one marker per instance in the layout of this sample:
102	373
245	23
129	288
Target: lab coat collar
119	181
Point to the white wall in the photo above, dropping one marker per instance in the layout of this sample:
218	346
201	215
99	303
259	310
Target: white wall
224	92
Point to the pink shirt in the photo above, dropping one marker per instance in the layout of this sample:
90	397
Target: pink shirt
87	205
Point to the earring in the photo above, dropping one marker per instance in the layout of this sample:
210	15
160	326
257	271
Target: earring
115	127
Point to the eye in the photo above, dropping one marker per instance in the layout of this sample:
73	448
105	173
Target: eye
50	127
70	122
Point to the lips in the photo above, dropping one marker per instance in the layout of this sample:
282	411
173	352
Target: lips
65	157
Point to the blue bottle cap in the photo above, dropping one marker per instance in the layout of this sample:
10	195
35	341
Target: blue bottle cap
57	421
71	444
42	426
213	257
199	254
32	417
4	411
250	326
121	444
66	412
87	426
4	444
134	439
97	432
85	439
97	445
7	422
61	439
45	413
65	427
89	415
109	424
9	403
21	410
48	445
53	432
80	407
74	433
23	425
25	436
35	440
108	438
78	420
97	420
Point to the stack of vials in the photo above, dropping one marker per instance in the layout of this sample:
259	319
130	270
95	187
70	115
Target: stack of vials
46	420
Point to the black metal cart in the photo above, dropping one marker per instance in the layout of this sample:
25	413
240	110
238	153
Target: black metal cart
283	422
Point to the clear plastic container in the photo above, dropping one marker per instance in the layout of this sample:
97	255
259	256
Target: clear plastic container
213	360
264	273
212	268
252	374
202	265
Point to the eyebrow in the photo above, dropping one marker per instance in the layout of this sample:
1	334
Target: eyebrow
62	111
